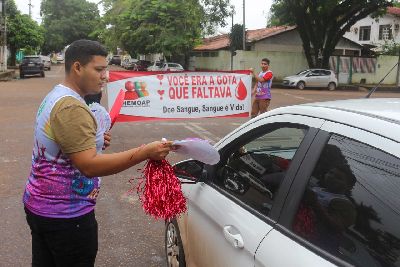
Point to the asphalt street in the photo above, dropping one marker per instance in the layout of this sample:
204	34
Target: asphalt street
127	236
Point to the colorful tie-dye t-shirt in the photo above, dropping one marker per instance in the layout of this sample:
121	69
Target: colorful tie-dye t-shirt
55	188
264	88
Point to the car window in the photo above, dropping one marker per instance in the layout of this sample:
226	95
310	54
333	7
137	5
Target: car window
253	172
173	65
303	72
315	73
350	207
31	59
325	72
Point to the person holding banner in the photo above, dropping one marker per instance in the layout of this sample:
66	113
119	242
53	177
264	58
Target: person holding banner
262	89
62	187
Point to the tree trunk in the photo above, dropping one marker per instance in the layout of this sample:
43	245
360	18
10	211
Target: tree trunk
13	53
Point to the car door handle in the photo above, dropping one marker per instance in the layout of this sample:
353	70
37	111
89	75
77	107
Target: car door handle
235	239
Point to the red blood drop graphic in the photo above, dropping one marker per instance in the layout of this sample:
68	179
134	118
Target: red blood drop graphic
241	91
160	92
129	86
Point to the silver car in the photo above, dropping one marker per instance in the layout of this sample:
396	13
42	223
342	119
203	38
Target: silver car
172	67
312	78
308	185
46	62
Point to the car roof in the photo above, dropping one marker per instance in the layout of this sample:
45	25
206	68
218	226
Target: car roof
377	115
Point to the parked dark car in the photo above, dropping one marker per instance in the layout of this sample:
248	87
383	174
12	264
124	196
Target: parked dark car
116	59
142	65
31	65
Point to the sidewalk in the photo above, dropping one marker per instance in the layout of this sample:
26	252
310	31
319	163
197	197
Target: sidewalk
7	75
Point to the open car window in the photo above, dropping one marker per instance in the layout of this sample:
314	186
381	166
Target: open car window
253	172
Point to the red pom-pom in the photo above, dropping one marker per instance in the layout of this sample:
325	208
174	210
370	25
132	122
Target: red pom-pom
160	191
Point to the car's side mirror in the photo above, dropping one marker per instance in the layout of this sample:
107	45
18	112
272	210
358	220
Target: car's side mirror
190	171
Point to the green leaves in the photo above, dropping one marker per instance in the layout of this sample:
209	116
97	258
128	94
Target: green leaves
22	32
155	26
68	20
321	23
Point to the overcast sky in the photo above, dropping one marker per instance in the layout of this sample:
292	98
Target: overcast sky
256	12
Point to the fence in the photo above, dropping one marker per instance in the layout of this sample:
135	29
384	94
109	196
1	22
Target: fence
350	70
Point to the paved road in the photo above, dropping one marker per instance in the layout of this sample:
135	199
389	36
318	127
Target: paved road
127	237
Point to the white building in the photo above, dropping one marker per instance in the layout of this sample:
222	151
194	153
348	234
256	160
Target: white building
375	32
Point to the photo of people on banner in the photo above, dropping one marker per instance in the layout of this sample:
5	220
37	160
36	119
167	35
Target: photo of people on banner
156	96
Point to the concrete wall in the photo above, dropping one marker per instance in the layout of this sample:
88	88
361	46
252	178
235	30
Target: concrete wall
289	41
383	65
288	63
282	63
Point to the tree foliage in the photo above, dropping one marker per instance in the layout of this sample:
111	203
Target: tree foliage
155	26
321	23
236	37
65	21
22	32
390	48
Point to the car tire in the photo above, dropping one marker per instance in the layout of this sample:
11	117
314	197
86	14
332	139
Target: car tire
332	86
173	245
300	85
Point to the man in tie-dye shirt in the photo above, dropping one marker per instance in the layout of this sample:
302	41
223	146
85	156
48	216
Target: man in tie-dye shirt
262	89
63	185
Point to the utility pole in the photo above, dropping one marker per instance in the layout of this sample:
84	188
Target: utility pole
30	8
3	30
233	12
244	26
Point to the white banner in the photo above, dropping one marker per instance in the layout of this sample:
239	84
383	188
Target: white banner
180	95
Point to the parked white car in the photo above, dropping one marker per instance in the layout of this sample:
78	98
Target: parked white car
312	78
46	62
308	185
155	66
172	67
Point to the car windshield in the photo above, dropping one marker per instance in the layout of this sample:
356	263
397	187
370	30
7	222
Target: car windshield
302	72
30	59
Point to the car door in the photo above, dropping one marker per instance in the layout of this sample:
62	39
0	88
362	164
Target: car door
368	235
231	212
313	78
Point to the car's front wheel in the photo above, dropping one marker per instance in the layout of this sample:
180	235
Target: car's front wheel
301	85
331	86
173	245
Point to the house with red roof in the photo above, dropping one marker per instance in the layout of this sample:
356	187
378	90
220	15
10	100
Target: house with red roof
374	32
273	39
281	44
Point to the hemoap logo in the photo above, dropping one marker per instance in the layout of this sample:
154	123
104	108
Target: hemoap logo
135	91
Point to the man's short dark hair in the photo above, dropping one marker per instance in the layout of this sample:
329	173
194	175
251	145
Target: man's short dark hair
83	51
265	60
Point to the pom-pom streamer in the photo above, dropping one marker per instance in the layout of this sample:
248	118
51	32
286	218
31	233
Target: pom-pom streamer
160	191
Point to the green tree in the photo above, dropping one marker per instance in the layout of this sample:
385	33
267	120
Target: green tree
22	32
236	37
156	26
321	23
65	21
